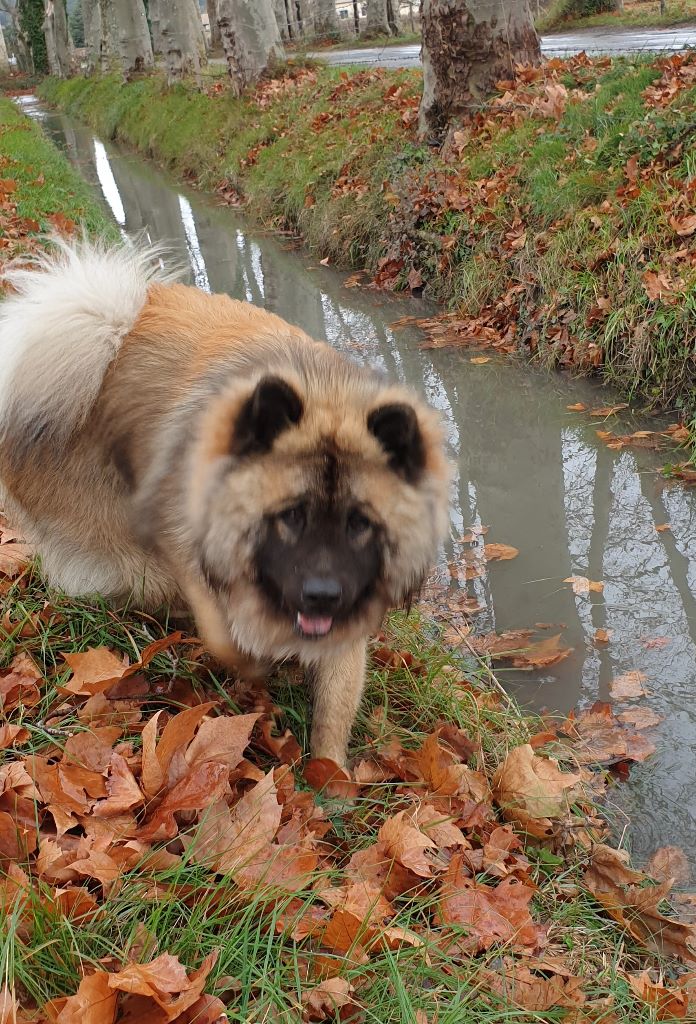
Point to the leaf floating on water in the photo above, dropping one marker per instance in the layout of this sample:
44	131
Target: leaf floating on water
581	585
640	718
603	636
480	360
669	863
663	527
608	410
628	686
578	407
600	739
500	552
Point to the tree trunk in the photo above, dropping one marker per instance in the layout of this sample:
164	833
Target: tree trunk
468	46
377	22
215	40
250	38
4	62
125	35
178	35
356	17
326	20
55	28
393	17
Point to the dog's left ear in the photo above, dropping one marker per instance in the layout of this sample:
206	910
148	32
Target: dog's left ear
396	428
273	407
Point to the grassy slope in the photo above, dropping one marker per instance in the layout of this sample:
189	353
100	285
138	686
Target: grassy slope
46	182
334	156
643	14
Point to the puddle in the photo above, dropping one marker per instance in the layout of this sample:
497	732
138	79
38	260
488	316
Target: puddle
527	467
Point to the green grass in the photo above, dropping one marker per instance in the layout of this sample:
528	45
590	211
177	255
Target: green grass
640	14
46	183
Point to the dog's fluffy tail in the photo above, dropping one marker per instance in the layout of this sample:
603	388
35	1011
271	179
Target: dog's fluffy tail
71	308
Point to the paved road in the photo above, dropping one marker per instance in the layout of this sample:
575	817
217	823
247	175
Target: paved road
592	40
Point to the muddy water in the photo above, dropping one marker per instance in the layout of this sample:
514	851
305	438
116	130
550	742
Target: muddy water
527	467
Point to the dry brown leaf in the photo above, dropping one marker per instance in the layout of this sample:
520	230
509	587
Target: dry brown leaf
201	787
603	636
94	671
518	985
222	739
622	893
499	552
18	684
228	839
542	654
669	863
667	1003
684	226
628	686
325	776
489	914
578	407
532	790
93	1003
581	585
332	999
480	360
165	982
608	410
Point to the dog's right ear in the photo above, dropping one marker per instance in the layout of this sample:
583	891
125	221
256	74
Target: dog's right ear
272	408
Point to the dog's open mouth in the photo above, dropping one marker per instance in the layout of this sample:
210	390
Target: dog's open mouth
313	625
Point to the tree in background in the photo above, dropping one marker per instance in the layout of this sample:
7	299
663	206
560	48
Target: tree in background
4	62
326	20
58	45
177	33
250	38
124	36
31	17
91	22
215	37
382	18
468	46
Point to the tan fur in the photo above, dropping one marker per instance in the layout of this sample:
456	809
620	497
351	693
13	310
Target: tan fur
144	491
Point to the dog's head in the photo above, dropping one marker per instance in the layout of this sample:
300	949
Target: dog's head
323	505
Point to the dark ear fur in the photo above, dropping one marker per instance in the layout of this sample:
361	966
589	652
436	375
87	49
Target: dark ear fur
396	428
273	407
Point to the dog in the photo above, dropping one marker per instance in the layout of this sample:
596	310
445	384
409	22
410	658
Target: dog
159	443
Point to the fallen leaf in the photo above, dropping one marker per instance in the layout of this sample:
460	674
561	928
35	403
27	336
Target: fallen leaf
628	685
578	407
499	552
608	410
518	985
94	671
541	654
201	787
93	1003
164	981
581	585
480	360
532	790
223	739
640	718
663	527
228	838
684	226
603	636
669	863
667	1003
332	999
600	739
325	776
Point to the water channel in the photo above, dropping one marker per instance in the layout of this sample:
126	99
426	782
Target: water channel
527	467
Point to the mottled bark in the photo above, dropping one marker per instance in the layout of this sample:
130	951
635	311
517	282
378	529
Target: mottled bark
377	21
177	32
4	62
326	19
469	45
92	22
250	38
393	17
57	37
125	36
215	39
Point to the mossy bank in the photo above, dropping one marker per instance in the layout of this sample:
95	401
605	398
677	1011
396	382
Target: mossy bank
557	220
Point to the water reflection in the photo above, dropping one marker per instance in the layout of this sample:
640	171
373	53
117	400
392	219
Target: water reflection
525	466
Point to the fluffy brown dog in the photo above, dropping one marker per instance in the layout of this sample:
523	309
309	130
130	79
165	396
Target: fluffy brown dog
159	442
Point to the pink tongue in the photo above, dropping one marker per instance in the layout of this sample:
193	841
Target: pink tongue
314	625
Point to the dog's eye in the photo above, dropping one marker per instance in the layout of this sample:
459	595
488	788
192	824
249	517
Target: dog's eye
358	523
293	518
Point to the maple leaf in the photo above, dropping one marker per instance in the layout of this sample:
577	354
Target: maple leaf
332	999
581	585
519	985
683	226
669	863
228	838
201	787
18	684
600	739
93	1003
324	775
667	1003
622	893
628	686
532	790
165	982
489	914
499	552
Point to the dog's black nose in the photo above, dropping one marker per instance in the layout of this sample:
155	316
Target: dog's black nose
321	593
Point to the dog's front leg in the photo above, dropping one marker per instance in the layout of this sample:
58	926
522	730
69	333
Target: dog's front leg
338	682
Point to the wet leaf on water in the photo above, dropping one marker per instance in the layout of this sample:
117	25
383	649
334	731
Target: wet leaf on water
600	739
499	552
603	636
640	718
608	410
669	863
480	360
663	527
581	585
628	685
578	407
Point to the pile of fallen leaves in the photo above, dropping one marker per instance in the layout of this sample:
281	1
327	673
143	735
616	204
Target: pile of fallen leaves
109	772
